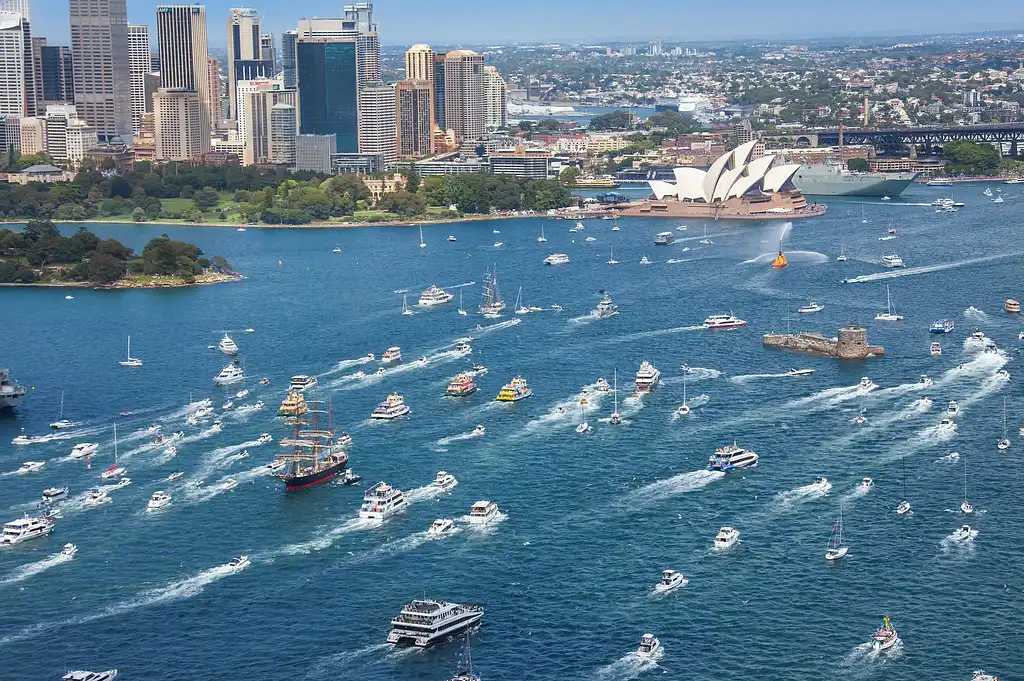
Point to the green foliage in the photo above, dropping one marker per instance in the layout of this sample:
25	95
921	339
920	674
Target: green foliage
139	215
971	158
206	198
71	211
616	120
674	123
569	176
106	269
16	273
220	263
548	124
162	256
858	165
404	203
482	192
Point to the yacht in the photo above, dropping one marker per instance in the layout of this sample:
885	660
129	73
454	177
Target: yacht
963	533
515	391
382	501
670	580
731	457
27	439
723	321
647	376
605	308
406	312
890	314
726	537
445	481
391	408
107	675
953	408
601	385
1004	444
391	355
977	334
302	383
842	253
130	361
892	261
810	308
998	199
925	382
821	485
425	622
836	547
227	346
800	372
31	467
557	259
230	374
159	500
463	347
293	405
435	296
706	241
936	349
97	497
664	238
645	260
866	383
239	563
440	526
966	507
649	645
541	239
52	494
947	424
483	512
451	237
884	638
24	529
69	550
942	326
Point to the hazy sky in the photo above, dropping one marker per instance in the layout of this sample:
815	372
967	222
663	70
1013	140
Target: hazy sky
480	21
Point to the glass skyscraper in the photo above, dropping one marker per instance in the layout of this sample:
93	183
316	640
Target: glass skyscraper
328	77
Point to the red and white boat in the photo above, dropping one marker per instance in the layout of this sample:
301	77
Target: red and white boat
723	321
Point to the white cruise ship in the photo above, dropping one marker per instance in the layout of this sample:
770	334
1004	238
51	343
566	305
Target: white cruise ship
230	374
435	296
302	383
24	529
11	394
426	622
227	346
731	457
646	377
382	501
557	259
391	408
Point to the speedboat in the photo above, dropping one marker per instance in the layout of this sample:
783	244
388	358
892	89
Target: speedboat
479	431
977	334
343	440
590	239
229	483
810	307
52	494
239	563
800	372
866	384
440	526
483	512
336	249
31	467
63	424
670	580
926	382
445	480
936	349
557	259
947	424
392	354
227	346
601	385
265	438
723	321
69	550
726	537
451	237
499	244
884	638
109	674
649	645
953	409
175	475
227	405
242	394
276	465
27	439
903	508
963	533
159	500
266	381
821	484
867	483
97	497
645	260
350	478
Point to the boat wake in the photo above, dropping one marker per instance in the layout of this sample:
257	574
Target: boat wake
346	364
395	547
32	569
331	664
975	314
750	377
791	256
201	435
326	539
800	495
952	457
223	457
673	487
657	332
507	324
865	653
566	412
354	381
927	269
950	543
484	529
856	493
694	374
424	493
198	493
445	441
629	666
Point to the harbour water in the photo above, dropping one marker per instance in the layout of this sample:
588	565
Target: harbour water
589	522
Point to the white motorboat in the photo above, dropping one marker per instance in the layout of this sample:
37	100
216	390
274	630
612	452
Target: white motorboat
31	467
821	485
451	237
391	355
479	431
936	349
890	314
69	550
962	533
590	239
649	645
557	259
892	261
866	384
671	580
867	483
250	330
836	548
726	537
723	321
227	405
229	483
435	296
109	674
998	199
265	438
499	244
953	408
800	372
348	477
382	501
336	249
391	408
230	374
605	308
28	439
130	361
947	424
483	512
25	529
925	382
239	563
440	526
980	675
645	260
52	494
301	383
175	475
97	497
810	308
227	346
987	192
884	638
159	500
445	481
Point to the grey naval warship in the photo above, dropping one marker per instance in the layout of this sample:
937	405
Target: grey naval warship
830	179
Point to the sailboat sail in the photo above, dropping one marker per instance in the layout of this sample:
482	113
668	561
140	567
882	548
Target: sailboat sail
492	301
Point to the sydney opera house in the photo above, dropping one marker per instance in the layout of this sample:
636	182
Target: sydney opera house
733	187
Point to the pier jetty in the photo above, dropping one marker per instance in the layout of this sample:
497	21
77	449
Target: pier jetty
851	343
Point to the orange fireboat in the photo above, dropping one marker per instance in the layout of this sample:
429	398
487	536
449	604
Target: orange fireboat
780	261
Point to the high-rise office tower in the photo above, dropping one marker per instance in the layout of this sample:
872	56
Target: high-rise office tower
439	113
415	104
357	25
139	56
18	83
99	48
58	118
184	61
419	63
288	58
268	52
243	45
464	105
328	76
496	96
377	133
216	103
244	90
180	117
21	7
37	45
58	81
270	126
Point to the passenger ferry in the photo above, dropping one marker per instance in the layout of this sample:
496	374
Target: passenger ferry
731	457
24	529
664	238
892	261
382	501
557	259
1012	306
293	405
436	296
515	391
483	512
461	386
302	383
942	326
647	376
723	321
425	622
391	408
392	354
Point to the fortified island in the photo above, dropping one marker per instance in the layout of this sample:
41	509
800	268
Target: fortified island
851	343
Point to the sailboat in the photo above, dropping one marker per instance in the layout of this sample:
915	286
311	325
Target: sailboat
1004	444
966	507
115	471
61	423
611	257
615	224
130	361
684	408
904	507
422	245
520	308
842	253
468	674
541	239
462	312
863	217
406	312
177	469
584	427
706	241
890	314
492	304
616	417
836	547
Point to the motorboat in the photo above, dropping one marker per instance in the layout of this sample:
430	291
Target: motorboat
810	308
649	645
463	347
903	508
866	383
350	478
860	419
590	239
936	349
230	374
723	321
892	261
557	259
963	533
239	563
601	385
266	381
461	386
250	330
647	376
515	391
953	408
27	439
645	260
947	424
25	529
229	483
821	485
925	382
483	512
242	394
867	483
227	405
664	238
198	415
379	372
435	296
382	501
391	355
605	308
440	526
109	674
31	467
726	537
479	431
988	191
121	484
731	457
425	622
451	237
159	500
979	674
942	326
69	550
391	408
265	438
343	440
477	369
884	638
977	334
800	372
445	481
227	346
175	475
336	249
97	497
276	465
671	580
301	383
998	199
51	494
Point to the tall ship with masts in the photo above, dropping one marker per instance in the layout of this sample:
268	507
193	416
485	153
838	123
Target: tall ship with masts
311	456
492	304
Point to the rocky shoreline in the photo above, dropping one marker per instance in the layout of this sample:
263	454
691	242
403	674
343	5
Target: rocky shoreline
136	282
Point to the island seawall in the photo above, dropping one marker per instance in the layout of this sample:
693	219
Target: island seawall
851	343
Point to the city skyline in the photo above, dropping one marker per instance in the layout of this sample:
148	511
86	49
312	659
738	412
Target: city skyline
469	23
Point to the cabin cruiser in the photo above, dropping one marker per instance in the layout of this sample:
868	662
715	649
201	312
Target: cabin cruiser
942	326
903	508
391	408
647	376
445	481
159	500
227	346
435	296
350	478
810	308
557	259
97	497
239	563
925	382
302	383
936	349
440	526
821	485
947	424
726	537
107	675
64	424
425	622
230	374
460	386
276	465
670	579
31	467
731	457
866	384
664	238
463	347
265	438
884	638
723	321
28	439
800	372
52	494
68	550
483	512
601	385
382	501
649	645
953	409
229	483
343	440
977	334
645	260
198	415
451	237
515	391
892	261
24	529
477	369
605	308
963	533
867	483
392	354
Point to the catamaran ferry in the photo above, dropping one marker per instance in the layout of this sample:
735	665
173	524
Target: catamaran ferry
723	321
941	326
557	259
436	296
391	408
515	391
382	501
647	376
426	622
731	457
461	386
